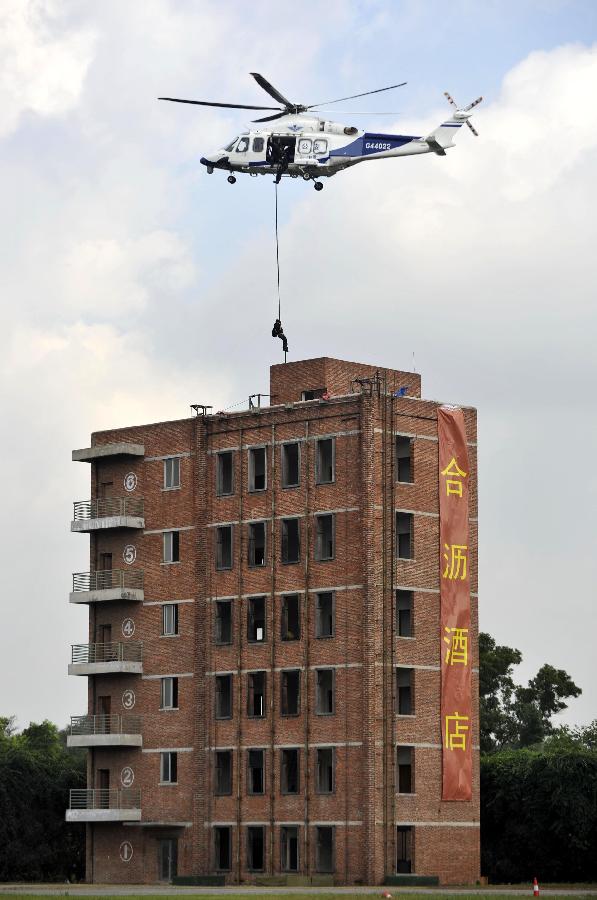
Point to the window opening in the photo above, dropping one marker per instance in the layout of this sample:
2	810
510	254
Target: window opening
290	690
324	700
258	145
403	849
256	547
313	394
291	544
172	472
224	547
223	688
404	692
169	693
223	622
404	465
289	770
289	848
222	847
243	145
257	469
256	619
290	465
168	767
325	770
256	695
171	547
324	848
320	146
256	771
105	562
325	461
224	473
167	859
404	535
304	147
324	614
325	536
255	848
223	780
169	619
404	762
404	613
291	617
230	146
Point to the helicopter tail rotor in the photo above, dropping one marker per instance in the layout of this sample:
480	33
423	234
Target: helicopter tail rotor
465	112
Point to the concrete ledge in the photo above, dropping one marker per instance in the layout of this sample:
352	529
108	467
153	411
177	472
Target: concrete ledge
413	879
135	595
85	525
88	454
205	880
104	740
119	667
103	815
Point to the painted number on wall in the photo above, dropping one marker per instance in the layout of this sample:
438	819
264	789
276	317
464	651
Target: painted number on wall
128	627
127	777
126	851
130	481
129	554
128	699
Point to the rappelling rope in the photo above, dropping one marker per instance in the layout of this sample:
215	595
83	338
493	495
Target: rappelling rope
277	250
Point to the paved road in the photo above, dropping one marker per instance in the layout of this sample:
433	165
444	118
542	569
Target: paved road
149	890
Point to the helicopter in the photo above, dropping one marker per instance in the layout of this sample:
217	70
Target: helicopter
303	144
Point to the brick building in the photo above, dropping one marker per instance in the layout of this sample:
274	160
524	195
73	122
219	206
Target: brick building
264	647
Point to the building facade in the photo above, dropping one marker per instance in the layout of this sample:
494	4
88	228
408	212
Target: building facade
263	657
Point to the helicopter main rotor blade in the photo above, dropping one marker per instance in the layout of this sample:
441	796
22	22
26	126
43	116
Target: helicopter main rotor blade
208	103
278	115
354	96
270	89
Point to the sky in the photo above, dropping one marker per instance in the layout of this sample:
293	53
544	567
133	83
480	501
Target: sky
133	284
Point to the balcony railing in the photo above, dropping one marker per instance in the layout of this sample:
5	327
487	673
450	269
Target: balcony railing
105	724
107	508
85	798
129	651
107	579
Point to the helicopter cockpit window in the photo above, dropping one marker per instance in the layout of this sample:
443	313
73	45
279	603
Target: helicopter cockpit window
320	147
230	146
258	145
304	147
243	145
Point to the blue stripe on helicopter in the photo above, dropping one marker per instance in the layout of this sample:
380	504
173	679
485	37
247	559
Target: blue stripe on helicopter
373	143
452	125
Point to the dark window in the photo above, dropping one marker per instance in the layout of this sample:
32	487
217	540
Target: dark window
324	614
290	465
325	461
291	542
313	394
172	473
222	847
404	613
324	687
256	695
404	762
257	469
256	547
223	696
255	848
324	548
224	473
405	701
168	767
169	693
404	466
325	770
404	535
404	849
105	562
290	628
170	619
223	779
290	682
256	619
171	547
258	145
289	848
289	770
224	547
167	858
223	622
255	771
324	848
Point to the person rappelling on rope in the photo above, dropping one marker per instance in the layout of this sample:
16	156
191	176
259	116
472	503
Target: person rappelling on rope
278	331
283	160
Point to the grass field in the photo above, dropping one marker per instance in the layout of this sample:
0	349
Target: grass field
328	893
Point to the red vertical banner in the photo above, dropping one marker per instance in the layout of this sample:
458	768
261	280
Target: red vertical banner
455	606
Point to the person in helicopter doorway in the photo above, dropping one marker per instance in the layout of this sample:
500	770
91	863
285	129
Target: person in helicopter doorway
277	331
283	160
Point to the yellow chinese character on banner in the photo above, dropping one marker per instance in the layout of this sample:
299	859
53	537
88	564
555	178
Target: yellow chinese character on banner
456	731
453	484
457	652
455	556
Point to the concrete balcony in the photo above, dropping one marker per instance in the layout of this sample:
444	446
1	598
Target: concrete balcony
105	731
102	451
108	584
114	512
123	658
88	805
